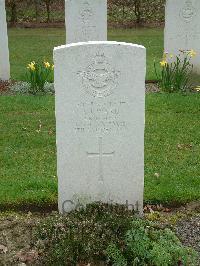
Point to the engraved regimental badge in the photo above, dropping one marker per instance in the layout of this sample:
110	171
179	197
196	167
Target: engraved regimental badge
99	79
188	12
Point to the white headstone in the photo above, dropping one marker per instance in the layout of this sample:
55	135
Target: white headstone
86	20
100	96
182	28
4	52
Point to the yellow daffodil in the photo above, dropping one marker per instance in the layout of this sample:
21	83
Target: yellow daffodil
31	66
52	67
165	56
47	65
163	63
192	53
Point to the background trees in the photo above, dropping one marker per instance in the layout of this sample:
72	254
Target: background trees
120	12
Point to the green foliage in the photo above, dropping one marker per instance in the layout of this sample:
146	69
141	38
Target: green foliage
115	255
147	244
108	233
37	75
82	236
120	11
175	74
22	87
126	12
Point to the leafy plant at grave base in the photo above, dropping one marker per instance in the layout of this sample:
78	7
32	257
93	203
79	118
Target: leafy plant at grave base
110	234
22	87
175	73
37	75
82	236
147	244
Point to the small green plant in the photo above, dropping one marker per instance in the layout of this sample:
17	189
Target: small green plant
175	72
110	234
147	244
22	87
37	75
82	236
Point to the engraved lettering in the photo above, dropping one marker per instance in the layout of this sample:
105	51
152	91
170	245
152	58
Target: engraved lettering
101	117
86	16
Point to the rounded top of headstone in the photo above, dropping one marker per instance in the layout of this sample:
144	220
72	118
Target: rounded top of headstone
56	49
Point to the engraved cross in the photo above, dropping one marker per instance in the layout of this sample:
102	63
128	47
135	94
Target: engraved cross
101	154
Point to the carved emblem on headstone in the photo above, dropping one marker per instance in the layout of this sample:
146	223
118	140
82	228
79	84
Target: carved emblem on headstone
99	79
86	13
188	12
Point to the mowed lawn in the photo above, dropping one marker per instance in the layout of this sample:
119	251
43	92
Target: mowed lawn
27	129
33	44
28	150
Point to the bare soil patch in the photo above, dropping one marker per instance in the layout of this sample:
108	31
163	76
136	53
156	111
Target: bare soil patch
16	237
4	86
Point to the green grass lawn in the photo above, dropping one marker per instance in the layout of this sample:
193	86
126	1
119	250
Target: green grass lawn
27	129
28	149
32	44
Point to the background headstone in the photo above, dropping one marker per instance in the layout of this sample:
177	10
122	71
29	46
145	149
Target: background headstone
86	20
4	52
100	95
182	28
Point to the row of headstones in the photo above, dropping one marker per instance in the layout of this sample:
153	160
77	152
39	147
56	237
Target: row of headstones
100	110
86	20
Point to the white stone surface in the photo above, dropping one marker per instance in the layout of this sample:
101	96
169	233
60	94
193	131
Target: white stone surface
182	28
100	109
4	52
86	20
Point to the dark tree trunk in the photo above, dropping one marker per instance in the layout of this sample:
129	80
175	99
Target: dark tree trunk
138	11
47	2
36	3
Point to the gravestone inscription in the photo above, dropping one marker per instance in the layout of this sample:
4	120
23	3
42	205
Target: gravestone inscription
100	92
86	20
182	28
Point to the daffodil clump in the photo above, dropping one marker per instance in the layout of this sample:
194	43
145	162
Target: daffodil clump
38	74
175	71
